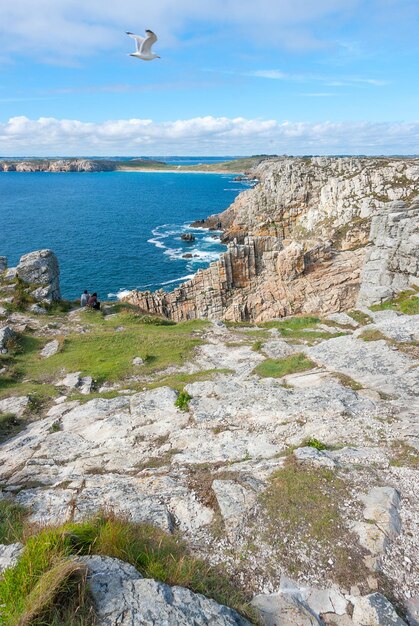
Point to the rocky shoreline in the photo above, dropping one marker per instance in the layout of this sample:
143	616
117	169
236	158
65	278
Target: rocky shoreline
309	238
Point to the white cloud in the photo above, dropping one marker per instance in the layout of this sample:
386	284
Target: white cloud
204	135
58	30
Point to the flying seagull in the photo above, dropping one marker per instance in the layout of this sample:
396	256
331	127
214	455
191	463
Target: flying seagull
144	45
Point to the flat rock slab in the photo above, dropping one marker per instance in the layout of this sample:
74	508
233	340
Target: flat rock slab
16	405
371	363
402	328
123	597
375	610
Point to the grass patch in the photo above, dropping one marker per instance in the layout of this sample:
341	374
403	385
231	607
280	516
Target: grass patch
312	442
361	318
45	568
106	353
347	381
275	368
404	455
406	302
182	401
10	425
372	335
12	519
304	523
293	323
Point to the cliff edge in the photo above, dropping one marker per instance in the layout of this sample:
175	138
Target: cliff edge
314	236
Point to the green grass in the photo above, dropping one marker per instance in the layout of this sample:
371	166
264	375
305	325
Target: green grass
301	506
404	455
372	335
275	368
406	302
362	318
292	324
301	328
12	518
153	552
106	353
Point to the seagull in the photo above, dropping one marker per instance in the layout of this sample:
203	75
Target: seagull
144	46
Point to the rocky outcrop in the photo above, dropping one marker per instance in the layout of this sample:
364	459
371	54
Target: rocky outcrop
59	165
40	269
392	262
122	596
297	242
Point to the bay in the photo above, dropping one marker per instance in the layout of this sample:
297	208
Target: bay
113	231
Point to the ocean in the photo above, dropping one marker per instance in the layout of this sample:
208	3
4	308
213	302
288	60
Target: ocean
114	231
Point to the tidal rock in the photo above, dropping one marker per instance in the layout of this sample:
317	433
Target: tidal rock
9	555
41	268
51	348
374	610
187	237
123	597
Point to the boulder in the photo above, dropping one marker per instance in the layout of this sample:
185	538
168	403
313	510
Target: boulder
83	384
10	273
374	610
41	268
50	349
6	334
122	596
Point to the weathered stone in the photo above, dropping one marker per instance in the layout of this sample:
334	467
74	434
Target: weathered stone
37	309
383	523
343	318
51	348
3	264
137	360
9	555
233	499
41	268
10	273
6	334
374	610
412	607
312	456
15	405
394	257
123	597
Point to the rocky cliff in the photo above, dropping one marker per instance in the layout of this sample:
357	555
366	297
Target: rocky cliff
56	165
297	242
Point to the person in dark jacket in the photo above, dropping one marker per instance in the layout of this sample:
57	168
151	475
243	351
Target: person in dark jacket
93	302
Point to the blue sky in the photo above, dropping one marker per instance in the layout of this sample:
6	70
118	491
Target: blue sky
235	77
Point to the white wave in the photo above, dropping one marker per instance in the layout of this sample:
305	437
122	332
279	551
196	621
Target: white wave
176	280
121	294
214	240
156	242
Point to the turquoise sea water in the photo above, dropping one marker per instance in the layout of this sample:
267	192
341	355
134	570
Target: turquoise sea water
113	231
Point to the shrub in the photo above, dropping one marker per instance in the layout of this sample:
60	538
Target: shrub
182	401
312	442
9	425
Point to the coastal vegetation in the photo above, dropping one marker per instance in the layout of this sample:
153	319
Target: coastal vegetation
48	584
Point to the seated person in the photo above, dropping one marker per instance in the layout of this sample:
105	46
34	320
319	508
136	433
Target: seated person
93	302
84	298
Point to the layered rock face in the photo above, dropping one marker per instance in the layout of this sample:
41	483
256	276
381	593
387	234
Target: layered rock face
297	242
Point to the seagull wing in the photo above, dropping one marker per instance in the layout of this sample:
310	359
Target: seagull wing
138	40
148	42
